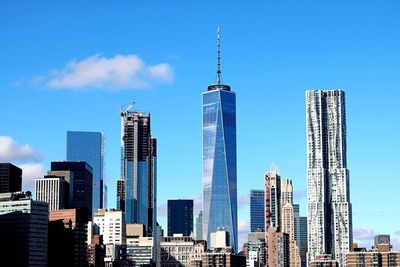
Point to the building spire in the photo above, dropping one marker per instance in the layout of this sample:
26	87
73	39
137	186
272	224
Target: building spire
219	57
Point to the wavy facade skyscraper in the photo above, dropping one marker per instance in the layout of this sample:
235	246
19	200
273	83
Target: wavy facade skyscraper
219	160
329	208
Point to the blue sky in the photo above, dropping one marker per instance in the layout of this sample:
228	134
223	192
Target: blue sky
70	66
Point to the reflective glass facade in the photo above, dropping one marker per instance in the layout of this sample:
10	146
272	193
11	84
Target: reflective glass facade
89	147
219	162
257	210
137	189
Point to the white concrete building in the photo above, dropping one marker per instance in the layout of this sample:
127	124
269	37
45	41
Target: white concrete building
220	239
110	224
52	190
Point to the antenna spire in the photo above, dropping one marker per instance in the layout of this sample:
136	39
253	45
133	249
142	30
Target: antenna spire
219	57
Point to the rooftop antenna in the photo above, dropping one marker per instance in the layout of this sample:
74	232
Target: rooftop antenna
219	57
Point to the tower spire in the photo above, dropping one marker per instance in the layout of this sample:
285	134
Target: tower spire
219	57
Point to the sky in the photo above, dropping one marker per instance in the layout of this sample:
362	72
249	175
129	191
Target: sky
70	65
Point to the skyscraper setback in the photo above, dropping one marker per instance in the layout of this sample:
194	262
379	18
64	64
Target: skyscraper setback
329	207
219	159
138	167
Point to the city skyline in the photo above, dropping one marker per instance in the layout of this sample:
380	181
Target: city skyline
270	62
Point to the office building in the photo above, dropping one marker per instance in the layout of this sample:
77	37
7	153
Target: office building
257	206
272	199
67	237
53	190
175	250
329	208
139	248
138	169
81	186
302	241
89	147
180	217
10	178
199	226
219	159
111	225
256	248
224	257
23	230
220	239
278	251
288	226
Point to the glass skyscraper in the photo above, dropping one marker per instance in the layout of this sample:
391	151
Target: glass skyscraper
257	210
89	147
329	208
219	160
139	168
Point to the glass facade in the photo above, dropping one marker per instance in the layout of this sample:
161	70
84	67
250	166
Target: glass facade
137	188
180	217
219	162
257	210
89	147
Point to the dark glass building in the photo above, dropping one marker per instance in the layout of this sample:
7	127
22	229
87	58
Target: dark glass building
10	178
81	182
257	210
89	147
180	217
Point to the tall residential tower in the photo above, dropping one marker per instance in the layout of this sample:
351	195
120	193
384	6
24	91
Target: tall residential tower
329	208
219	160
138	169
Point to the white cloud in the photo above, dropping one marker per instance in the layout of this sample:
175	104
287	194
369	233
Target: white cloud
162	210
116	73
31	171
12	151
244	200
363	234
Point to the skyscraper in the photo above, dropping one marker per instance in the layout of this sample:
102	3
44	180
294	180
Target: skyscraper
180	217
10	178
139	169
288	226
302	242
219	159
89	147
256	209
329	207
273	200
